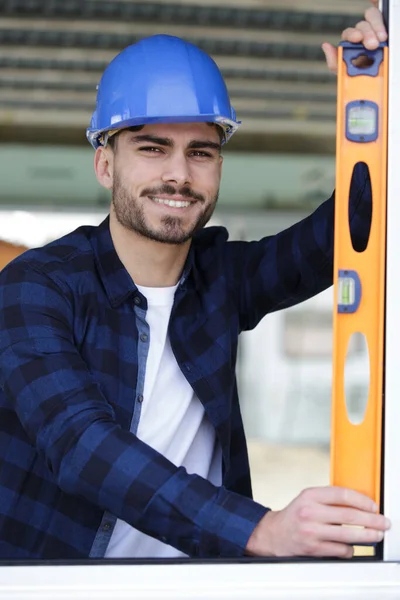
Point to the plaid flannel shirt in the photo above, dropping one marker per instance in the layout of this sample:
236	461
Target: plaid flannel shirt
72	366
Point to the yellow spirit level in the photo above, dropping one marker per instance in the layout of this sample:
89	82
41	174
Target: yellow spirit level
359	277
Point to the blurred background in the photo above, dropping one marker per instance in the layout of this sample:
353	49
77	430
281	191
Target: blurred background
278	167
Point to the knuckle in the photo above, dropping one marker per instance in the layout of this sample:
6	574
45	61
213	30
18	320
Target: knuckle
349	517
307	531
303	493
312	548
307	493
345	551
345	495
304	512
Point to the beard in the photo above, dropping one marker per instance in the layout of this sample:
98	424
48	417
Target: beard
131	214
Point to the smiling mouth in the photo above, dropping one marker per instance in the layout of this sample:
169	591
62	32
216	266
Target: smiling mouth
171	203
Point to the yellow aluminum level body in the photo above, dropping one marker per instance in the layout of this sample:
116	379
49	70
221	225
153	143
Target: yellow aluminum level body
356	448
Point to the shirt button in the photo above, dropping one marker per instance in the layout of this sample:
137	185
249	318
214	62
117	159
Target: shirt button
140	398
144	337
106	527
137	300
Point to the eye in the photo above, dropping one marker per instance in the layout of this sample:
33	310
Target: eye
201	154
150	149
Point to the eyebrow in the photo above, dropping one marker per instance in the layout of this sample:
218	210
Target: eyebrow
168	142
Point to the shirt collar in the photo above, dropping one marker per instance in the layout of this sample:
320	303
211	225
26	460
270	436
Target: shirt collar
116	280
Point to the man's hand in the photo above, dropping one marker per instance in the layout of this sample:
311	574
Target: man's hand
312	525
369	32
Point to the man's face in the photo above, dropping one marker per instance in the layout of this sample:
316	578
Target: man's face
165	179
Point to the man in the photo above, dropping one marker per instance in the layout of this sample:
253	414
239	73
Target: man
121	429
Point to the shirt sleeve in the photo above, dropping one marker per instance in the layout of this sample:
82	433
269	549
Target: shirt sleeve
73	427
284	269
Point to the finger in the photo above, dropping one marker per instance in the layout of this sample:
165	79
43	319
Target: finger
369	36
330	56
352	34
375	18
332	549
339	496
349	535
337	515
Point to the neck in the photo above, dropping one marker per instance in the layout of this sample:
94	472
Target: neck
149	263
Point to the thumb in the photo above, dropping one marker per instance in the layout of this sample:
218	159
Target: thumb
330	56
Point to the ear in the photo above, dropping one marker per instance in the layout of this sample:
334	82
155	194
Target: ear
221	160
104	167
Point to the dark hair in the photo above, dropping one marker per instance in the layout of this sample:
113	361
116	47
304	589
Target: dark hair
112	141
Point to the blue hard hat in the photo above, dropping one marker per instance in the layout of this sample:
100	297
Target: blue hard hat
161	79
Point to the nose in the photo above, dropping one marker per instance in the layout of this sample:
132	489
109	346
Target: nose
177	170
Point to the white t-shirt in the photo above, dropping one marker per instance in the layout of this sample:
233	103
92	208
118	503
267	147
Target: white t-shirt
172	421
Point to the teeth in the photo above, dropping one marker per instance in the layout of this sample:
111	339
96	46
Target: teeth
172	203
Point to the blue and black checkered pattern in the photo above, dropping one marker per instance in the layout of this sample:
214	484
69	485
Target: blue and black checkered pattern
69	313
